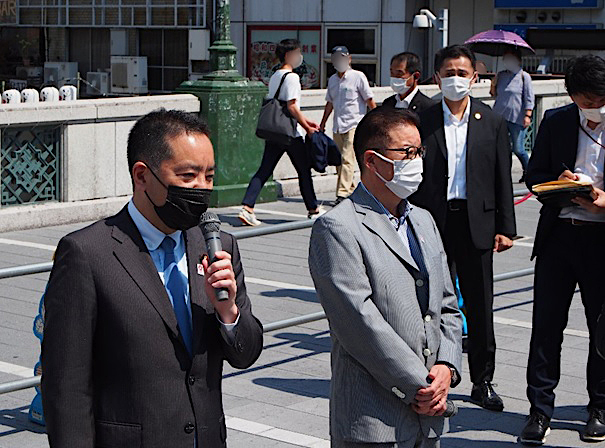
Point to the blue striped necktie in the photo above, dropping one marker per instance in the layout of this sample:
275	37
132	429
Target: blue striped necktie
176	286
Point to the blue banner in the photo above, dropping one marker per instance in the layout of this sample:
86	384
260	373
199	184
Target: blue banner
530	4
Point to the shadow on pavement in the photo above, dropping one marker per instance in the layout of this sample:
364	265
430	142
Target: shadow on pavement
307	296
17	419
313	343
312	388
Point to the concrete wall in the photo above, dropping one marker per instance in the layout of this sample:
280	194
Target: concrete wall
94	171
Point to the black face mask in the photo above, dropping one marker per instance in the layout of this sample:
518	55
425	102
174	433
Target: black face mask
183	207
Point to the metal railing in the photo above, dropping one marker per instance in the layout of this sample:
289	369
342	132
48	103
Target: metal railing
34	381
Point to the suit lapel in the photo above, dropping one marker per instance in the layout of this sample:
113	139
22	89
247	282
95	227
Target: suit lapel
440	131
200	304
472	135
419	226
572	140
131	252
378	223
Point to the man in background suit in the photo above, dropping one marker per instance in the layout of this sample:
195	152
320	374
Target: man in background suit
381	275
134	337
568	247
467	188
405	76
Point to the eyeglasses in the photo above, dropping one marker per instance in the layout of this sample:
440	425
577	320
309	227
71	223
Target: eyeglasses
409	151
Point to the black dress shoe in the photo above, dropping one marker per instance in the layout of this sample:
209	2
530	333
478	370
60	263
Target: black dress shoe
595	426
485	396
338	200
536	429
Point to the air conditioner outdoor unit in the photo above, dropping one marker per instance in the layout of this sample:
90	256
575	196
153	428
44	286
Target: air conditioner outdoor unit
60	73
30	73
129	74
97	83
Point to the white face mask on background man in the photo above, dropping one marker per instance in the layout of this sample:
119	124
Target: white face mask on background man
455	88
400	85
594	115
407	175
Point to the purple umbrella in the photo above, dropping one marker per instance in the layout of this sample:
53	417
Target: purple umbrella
496	42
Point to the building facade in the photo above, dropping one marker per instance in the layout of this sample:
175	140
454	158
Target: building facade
174	35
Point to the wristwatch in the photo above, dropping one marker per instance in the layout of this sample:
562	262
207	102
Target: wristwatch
455	376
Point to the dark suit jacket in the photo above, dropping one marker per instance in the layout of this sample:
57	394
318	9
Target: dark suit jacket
488	177
116	372
419	103
556	144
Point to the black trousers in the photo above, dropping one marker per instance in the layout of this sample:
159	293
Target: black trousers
297	152
474	268
571	256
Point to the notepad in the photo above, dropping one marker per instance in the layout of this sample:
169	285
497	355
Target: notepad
559	193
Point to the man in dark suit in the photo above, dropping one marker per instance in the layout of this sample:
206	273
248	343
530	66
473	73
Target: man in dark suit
467	188
569	245
134	337
405	75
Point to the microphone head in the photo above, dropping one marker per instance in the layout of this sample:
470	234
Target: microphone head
209	222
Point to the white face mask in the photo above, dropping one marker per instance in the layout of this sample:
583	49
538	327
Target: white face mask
511	64
341	66
298	62
455	88
400	85
407	175
594	115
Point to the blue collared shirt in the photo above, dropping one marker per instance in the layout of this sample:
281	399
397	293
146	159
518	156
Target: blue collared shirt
153	237
400	224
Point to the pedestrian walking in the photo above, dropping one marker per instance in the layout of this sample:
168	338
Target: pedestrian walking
515	101
348	96
288	83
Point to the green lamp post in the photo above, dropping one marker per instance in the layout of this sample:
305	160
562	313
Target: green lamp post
230	104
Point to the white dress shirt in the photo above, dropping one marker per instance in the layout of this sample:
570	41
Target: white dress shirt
153	237
405	103
456	132
349	96
589	167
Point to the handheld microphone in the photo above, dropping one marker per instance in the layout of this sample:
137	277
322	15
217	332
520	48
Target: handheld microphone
211	226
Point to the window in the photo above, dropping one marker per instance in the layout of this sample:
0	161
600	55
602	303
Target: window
361	41
362	44
167	57
120	13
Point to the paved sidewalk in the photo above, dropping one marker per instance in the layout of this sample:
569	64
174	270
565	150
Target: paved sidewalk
282	401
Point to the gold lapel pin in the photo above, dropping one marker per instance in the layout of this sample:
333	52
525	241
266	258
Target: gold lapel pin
478	116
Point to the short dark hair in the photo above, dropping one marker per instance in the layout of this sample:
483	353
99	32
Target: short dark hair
585	74
412	61
374	130
285	46
454	52
147	140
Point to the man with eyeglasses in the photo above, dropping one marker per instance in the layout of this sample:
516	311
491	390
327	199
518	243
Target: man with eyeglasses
396	342
467	188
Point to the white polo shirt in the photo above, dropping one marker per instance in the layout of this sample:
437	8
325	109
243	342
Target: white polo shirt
349	96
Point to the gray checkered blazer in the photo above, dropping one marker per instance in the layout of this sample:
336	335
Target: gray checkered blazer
382	346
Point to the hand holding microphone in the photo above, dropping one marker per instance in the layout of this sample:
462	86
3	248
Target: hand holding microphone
221	286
